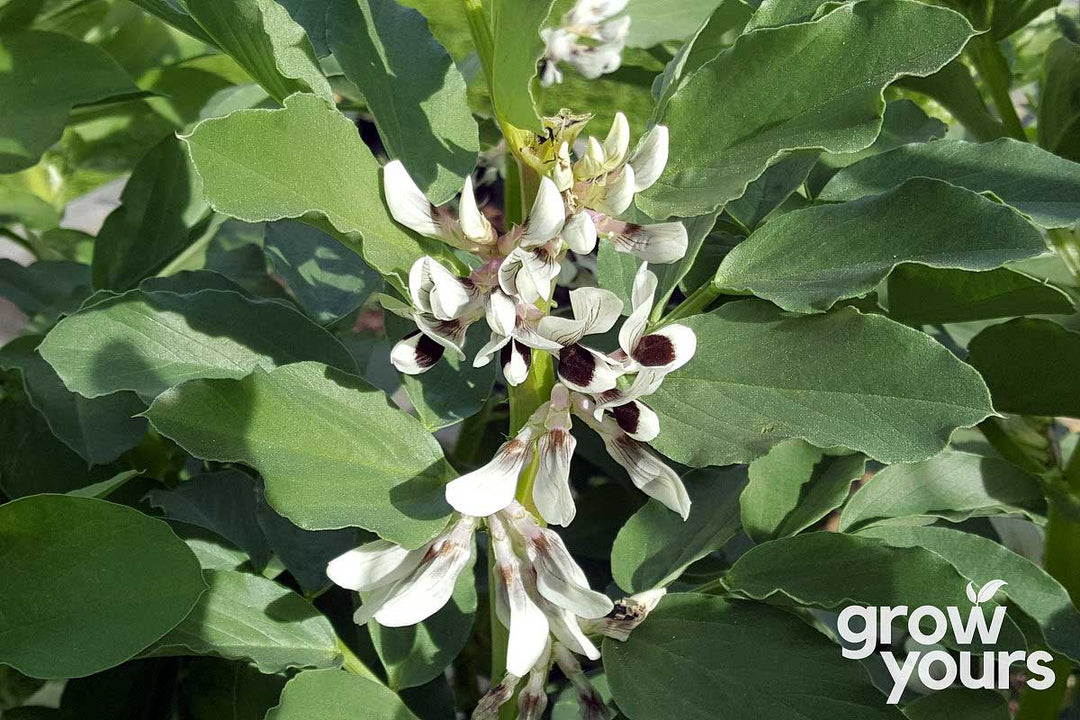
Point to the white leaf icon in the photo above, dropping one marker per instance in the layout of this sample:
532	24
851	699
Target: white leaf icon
990	589
971	593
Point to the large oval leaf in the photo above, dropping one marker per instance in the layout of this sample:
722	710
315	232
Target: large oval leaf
87	584
332	449
823	81
337	695
148	341
838	379
245	616
807	260
698	657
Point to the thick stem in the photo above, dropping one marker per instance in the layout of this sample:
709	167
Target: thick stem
480	30
1061	558
993	68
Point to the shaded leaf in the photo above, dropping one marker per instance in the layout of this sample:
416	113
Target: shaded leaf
117	581
332	450
655	545
517	47
337	695
957	703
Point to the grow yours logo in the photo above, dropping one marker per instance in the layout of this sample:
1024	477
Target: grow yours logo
938	669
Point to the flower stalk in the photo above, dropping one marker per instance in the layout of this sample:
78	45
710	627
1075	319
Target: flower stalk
993	68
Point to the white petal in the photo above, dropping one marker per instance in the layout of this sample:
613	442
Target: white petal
415	354
447	294
500	694
517	360
474	225
563	172
484	354
665	350
587	371
528	629
628	614
559	579
579	233
596	60
551	491
637	420
615	31
618	192
501	313
591	164
541	267
649	473
650	158
491	488
407	202
565	628
546	217
617	142
595	311
424	593
642	298
645	382
373	564
661	243
373	602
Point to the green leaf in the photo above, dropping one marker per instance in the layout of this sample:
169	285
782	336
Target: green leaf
1059	106
148	341
793	487
247	617
171	12
1030	588
304	553
653	23
419	653
44	286
953	486
137	690
1039	184
958	703
921	295
698	657
317	436
99	429
223	502
264	40
1032	366
75	73
212	689
116	581
25	208
774	13
337	695
759	377
807	260
327	279
413	89
830	98
655	545
105	488
515	30
161	213
311	14
32	459
246	178
775	185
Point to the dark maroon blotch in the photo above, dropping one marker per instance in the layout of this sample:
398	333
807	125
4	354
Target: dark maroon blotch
654	351
627	416
577	365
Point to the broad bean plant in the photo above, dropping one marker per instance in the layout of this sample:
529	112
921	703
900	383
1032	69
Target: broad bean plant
398	359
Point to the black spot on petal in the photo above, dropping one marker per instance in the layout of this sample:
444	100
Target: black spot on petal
577	366
428	352
627	416
654	351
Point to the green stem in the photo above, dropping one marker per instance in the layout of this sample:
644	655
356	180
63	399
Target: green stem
694	304
480	29
993	68
1061	559
353	664
180	261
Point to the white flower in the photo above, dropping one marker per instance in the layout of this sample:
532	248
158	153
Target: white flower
594	311
443	307
646	470
513	326
404	587
601	53
533	250
468	230
601	185
491	488
551	488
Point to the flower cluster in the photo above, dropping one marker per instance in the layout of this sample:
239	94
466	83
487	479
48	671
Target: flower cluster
588	20
542	596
